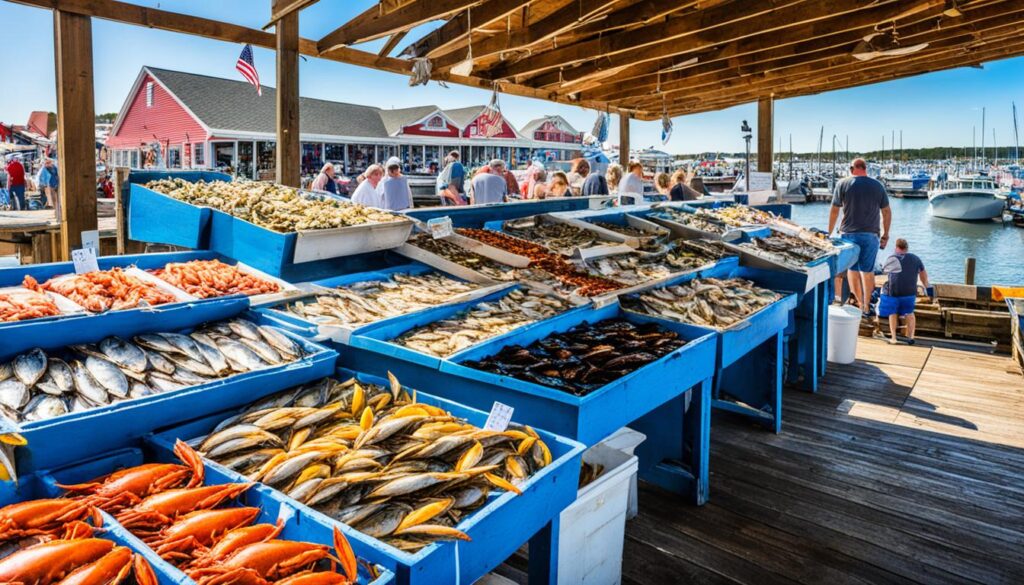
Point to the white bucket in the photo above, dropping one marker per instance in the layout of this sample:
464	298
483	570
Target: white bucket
593	529
627	440
843	330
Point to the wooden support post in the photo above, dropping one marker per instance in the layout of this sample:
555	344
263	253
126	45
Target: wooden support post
120	210
969	271
624	139
288	148
76	128
765	127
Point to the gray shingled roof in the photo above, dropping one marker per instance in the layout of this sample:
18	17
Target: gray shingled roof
395	120
233	105
463	116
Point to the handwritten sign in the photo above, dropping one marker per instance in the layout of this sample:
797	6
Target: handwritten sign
499	417
440	227
759	182
85	260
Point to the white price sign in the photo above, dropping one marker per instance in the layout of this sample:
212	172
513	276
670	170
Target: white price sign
440	227
91	239
85	260
759	181
499	418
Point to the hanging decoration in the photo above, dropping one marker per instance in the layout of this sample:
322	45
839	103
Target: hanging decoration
601	124
421	68
666	123
490	123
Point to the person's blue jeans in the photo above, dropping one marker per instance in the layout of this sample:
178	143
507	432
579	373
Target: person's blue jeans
18	197
868	243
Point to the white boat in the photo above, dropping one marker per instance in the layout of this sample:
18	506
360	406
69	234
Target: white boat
968	198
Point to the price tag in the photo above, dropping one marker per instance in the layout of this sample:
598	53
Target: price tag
440	227
85	260
499	418
91	239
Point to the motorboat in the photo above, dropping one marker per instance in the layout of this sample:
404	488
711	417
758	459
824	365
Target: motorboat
968	199
912	185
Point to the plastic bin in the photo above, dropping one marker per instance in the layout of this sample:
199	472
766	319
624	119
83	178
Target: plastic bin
593	529
627	440
843	329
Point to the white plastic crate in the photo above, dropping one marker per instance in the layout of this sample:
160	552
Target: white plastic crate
592	529
627	440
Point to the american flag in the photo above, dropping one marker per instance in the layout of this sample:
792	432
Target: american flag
247	68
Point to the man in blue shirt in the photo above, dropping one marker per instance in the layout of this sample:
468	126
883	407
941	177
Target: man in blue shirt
862	199
49	182
899	294
457	172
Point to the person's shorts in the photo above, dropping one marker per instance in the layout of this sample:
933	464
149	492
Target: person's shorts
868	244
896	305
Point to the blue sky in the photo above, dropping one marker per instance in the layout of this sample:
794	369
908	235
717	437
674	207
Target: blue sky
932	110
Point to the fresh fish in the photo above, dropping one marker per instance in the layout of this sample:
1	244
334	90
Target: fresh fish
197	367
239	356
279	341
48	386
384	522
183	344
245	329
160	363
155	342
262	349
60	373
187	377
238	432
213	356
30	367
125	354
44	407
163	383
139	390
87	386
14	394
108	375
6	370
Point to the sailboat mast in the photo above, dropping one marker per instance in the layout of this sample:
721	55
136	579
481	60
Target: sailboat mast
1016	137
982	136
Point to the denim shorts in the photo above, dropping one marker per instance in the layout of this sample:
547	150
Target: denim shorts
896	305
868	243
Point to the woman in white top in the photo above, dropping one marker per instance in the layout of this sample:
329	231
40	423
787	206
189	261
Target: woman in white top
369	192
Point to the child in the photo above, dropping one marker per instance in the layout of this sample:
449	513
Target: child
899	295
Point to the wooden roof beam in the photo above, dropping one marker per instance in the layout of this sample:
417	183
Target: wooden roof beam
447	35
281	8
779	35
555	23
377	22
943	38
393	41
645	76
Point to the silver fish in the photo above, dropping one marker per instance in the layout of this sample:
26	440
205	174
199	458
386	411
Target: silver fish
197	367
155	342
262	349
164	383
30	367
243	328
6	371
239	356
279	341
237	432
13	393
138	390
159	362
213	356
48	386
125	354
108	375
87	386
183	344
44	407
187	377
60	372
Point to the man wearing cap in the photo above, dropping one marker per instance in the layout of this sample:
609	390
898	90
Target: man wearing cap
396	191
862	199
489	185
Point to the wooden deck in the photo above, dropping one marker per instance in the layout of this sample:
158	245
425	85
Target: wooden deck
907	467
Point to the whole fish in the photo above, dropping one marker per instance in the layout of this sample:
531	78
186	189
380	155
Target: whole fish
30	367
240	356
243	328
87	386
44	407
125	354
108	375
14	394
60	372
6	370
183	344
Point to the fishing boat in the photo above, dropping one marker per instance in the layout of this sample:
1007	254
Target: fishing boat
968	198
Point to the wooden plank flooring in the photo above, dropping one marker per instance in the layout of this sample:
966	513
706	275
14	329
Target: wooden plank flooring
906	467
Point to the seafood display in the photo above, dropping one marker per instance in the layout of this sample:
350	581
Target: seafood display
740	215
788	250
271	206
36	386
632	269
707	302
586	284
698	221
187	524
560	237
213	278
367	302
49	541
104	290
459	255
371	457
693	254
22	305
584	358
625	229
482	321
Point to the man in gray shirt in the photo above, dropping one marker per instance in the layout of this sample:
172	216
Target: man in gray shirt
489	185
862	199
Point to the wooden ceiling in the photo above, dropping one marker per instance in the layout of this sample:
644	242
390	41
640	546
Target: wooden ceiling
647	57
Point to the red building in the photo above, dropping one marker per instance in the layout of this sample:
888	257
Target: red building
184	120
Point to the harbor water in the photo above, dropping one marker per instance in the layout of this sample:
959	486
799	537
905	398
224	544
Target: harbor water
943	244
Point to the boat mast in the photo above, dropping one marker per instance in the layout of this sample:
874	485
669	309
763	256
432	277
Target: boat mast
1016	137
821	139
983	136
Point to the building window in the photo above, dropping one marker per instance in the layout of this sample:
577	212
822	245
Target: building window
199	154
149	94
224	156
135	159
174	157
266	160
312	158
335	153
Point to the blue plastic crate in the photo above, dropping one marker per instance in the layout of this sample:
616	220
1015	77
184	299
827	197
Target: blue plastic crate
297	526
157	218
75	436
497	530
